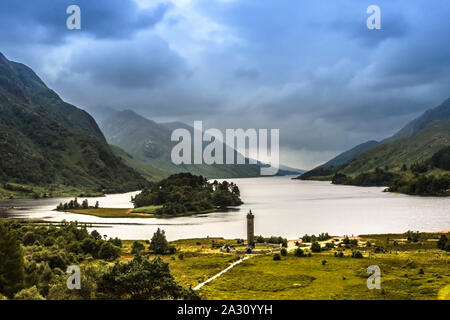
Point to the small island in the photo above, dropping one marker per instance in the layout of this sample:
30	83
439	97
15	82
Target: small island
181	194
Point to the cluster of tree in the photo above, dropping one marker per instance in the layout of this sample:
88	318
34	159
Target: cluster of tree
36	256
441	159
347	242
312	238
320	172
421	185
33	261
412	236
272	240
185	192
142	279
376	178
419	167
74	204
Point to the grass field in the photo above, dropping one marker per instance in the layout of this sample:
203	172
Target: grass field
143	212
408	271
112	213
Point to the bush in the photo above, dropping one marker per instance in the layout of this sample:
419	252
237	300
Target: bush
181	256
329	245
108	251
315	247
276	257
29	238
324	262
116	241
299	253
172	249
29	294
357	255
283	251
339	254
137	247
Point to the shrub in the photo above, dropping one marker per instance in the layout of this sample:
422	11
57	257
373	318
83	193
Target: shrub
329	245
29	294
116	241
276	257
172	249
324	262
283	251
108	251
299	253
137	247
315	247
339	254
357	255
29	238
181	256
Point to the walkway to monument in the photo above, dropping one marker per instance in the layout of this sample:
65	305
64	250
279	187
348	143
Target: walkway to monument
221	272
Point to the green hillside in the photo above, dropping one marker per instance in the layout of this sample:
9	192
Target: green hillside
51	146
349	154
419	147
416	142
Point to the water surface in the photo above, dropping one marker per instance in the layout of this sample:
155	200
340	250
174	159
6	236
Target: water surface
282	207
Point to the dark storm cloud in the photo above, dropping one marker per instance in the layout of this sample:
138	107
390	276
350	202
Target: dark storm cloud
310	68
44	21
129	64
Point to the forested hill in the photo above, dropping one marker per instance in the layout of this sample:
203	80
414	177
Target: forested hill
48	143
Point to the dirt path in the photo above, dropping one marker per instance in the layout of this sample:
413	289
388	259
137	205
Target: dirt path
221	272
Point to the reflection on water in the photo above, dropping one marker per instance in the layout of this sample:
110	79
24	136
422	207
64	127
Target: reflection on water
282	206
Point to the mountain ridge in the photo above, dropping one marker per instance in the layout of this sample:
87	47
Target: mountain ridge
49	143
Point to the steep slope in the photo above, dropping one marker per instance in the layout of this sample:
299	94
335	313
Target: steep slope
49	143
441	112
349	154
415	142
417	148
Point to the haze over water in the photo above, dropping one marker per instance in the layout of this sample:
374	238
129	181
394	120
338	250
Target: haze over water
282	207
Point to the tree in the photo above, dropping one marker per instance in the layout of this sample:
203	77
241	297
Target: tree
299	253
442	242
159	244
142	279
137	247
315	247
85	204
96	205
11	262
108	251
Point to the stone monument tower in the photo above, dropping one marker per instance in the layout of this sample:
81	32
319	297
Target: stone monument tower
250	230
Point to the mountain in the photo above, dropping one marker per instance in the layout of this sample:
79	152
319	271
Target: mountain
441	112
416	142
149	142
48	143
349	154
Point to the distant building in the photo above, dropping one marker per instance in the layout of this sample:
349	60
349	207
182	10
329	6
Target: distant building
250	230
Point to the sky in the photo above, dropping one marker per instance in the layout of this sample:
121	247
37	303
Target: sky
310	68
